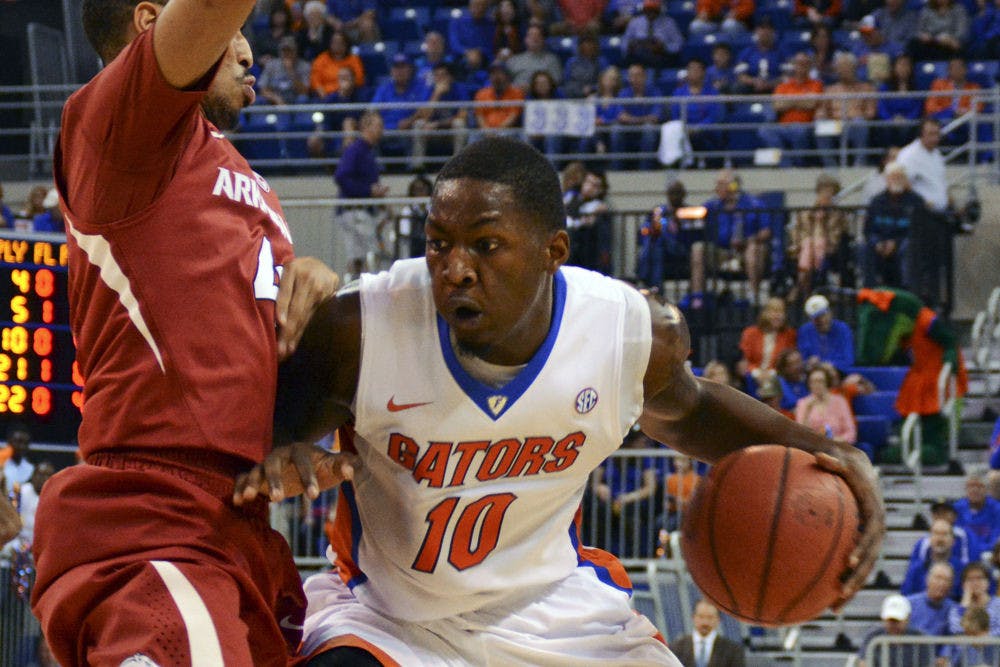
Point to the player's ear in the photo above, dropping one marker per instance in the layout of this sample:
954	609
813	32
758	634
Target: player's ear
557	250
144	15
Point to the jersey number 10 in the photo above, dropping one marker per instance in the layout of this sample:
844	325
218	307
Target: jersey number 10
486	513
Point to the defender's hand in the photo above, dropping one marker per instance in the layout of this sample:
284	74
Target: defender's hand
305	283
862	479
293	469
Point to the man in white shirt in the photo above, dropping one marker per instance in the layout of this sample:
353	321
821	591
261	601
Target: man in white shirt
18	469
930	233
705	648
924	166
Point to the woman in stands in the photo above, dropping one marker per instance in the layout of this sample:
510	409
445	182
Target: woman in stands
902	112
606	111
762	342
826	412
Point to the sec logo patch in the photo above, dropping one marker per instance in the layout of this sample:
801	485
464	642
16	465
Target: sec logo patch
586	400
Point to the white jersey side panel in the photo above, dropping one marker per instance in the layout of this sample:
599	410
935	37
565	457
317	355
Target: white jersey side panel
468	494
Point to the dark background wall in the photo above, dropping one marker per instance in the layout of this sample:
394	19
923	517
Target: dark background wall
15	15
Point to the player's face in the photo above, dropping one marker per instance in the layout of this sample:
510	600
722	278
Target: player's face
232	87
491	269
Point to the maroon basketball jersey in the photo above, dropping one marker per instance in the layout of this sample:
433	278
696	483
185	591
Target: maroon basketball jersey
176	248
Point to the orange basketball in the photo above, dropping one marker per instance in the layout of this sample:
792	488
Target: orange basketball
767	534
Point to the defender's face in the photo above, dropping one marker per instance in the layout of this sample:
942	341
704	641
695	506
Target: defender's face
232	87
490	266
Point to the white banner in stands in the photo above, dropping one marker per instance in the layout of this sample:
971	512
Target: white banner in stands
569	118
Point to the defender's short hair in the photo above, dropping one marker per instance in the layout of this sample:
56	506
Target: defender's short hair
520	167
105	23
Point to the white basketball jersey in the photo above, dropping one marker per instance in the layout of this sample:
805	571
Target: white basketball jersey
469	494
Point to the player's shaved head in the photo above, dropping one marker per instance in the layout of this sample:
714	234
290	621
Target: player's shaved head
105	23
528	173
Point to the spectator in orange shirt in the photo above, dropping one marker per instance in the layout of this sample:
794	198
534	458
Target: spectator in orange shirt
945	108
679	487
323	78
795	105
853	113
731	16
761	343
494	119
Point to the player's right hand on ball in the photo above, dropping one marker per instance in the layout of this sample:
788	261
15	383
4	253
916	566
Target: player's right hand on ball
293	469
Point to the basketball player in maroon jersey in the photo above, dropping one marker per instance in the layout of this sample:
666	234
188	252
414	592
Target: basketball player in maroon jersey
176	250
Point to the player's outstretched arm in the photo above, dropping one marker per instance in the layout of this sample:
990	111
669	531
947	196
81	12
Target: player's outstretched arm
708	420
10	521
192	34
316	385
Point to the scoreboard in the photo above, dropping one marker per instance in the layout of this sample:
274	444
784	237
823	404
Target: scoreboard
40	383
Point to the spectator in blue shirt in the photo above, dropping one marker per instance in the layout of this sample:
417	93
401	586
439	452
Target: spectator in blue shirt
606	109
52	219
721	74
637	124
979	514
402	87
975	593
984	42
741	232
904	112
758	67
431	119
931	609
583	69
652	38
941	550
942	509
791	376
5	212
434	54
472	31
824	338
698	117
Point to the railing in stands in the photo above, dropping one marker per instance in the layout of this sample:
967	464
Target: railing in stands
963	651
282	132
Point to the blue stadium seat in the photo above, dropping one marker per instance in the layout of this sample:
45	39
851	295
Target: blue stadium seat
878	403
376	66
668	79
793	41
780	15
401	30
421	16
885	378
700	47
611	49
295	147
926	72
874	429
745	139
984	72
564	47
413	49
682	12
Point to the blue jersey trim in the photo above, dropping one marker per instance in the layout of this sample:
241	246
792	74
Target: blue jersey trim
481	393
348	490
602	572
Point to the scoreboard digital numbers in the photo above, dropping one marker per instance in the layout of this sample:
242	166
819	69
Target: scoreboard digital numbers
40	383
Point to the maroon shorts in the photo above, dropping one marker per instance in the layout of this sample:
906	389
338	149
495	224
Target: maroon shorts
151	560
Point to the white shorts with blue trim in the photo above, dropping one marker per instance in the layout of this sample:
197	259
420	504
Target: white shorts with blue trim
577	621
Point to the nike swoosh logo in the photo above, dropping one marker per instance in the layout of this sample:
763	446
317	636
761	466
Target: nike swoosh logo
392	406
217	135
286	623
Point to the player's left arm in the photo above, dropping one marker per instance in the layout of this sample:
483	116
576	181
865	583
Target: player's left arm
306	282
708	420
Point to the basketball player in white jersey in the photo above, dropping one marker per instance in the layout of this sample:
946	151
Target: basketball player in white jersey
482	386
